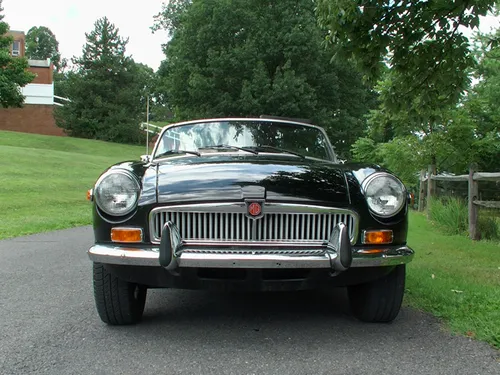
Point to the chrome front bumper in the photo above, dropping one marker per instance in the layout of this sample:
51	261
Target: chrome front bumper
149	256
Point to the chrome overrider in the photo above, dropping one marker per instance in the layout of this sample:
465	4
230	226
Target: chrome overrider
336	254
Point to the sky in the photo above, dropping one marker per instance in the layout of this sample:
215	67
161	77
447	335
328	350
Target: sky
69	20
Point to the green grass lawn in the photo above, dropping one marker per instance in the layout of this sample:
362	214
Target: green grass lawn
455	279
44	180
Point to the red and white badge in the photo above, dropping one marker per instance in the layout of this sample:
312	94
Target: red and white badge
254	209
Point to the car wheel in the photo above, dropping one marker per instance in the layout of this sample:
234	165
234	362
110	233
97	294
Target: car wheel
118	302
379	300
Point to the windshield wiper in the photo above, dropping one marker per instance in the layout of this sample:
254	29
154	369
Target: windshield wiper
177	152
282	150
233	147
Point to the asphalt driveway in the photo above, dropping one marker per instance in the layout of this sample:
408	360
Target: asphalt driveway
48	325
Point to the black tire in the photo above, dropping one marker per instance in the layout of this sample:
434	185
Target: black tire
118	302
379	300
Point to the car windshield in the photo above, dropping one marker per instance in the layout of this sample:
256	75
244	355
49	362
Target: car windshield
248	136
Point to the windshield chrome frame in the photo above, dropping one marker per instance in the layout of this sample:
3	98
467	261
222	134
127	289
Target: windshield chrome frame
329	147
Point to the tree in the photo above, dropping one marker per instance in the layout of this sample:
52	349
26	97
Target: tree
480	109
41	44
161	110
105	88
422	41
461	135
253	57
13	70
146	78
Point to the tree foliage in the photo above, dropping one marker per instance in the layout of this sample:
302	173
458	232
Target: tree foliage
106	89
422	41
13	70
253	57
482	106
455	138
41	44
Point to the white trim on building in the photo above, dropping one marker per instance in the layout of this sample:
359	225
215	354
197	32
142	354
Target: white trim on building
39	63
38	93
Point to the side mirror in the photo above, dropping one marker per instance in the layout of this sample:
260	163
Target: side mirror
145	158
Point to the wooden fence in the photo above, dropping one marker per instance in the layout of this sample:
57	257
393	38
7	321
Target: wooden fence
428	189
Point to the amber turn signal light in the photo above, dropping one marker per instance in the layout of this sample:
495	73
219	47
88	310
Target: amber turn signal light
126	234
90	195
377	237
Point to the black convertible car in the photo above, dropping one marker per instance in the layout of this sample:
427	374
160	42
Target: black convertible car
244	204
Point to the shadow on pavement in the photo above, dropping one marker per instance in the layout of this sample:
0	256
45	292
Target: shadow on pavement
198	306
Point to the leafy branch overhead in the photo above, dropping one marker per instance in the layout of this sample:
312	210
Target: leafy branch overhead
421	41
452	138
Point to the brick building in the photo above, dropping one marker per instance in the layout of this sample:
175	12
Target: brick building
18	47
37	115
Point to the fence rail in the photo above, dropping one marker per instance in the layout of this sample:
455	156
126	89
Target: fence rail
478	176
487	204
150	128
472	178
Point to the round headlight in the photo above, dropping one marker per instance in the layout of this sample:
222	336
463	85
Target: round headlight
384	193
116	193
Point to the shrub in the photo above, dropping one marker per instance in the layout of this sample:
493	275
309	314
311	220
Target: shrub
488	227
451	214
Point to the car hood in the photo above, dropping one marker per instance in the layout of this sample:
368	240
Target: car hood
225	178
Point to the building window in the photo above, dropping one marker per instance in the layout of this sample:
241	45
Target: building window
16	48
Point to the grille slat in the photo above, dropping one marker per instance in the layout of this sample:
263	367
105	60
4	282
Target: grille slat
236	226
276	227
249	229
286	227
264	221
233	227
316	232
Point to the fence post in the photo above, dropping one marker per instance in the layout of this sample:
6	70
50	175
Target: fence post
421	194
431	188
473	210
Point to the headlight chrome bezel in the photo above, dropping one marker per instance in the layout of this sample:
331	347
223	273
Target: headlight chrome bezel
377	175
97	197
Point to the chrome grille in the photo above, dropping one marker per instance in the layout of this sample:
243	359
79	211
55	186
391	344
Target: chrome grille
230	223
